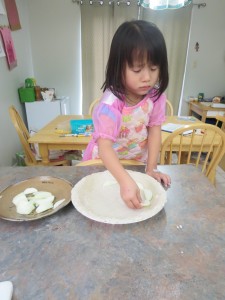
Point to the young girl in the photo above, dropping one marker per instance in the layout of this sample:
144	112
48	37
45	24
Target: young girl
128	119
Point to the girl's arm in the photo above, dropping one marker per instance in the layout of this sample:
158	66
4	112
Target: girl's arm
129	190
154	145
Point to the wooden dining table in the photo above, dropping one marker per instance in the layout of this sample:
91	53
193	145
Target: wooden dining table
50	138
177	254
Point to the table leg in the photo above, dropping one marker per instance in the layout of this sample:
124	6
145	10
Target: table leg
190	109
204	114
43	149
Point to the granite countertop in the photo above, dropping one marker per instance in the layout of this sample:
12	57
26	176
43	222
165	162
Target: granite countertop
177	254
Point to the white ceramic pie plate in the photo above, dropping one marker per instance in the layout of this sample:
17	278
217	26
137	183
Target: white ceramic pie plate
103	203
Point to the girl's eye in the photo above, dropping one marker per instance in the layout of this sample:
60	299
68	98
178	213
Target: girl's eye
136	68
137	71
154	68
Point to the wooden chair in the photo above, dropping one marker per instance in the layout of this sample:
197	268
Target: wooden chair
92	106
24	135
98	162
169	108
220	121
204	148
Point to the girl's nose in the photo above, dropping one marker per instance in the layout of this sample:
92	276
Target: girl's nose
146	76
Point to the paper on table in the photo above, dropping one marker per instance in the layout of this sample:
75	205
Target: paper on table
171	127
187	118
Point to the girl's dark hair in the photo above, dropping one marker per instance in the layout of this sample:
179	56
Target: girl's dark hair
139	38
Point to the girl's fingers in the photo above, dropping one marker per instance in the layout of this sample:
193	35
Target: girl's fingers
166	180
162	178
133	203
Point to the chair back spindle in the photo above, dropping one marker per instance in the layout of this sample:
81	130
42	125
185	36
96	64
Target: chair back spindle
204	147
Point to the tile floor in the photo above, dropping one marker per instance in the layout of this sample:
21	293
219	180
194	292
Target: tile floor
220	180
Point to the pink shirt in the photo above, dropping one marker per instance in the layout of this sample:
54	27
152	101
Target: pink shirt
125	126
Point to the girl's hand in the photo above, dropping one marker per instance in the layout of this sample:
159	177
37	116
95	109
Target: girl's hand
130	194
160	177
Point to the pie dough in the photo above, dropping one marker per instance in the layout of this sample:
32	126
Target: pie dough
99	201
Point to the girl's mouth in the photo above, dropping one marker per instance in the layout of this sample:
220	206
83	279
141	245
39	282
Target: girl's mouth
145	88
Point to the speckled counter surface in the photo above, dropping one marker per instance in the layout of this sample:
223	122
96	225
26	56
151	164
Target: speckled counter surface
177	254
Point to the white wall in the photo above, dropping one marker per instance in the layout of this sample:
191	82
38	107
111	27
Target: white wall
51	35
55	42
206	68
9	83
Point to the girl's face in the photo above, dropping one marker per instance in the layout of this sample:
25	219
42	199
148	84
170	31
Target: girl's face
140	78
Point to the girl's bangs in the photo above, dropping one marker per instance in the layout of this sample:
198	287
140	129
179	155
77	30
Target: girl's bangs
137	56
141	54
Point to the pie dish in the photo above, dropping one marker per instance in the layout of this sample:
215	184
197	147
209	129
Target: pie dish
60	188
98	199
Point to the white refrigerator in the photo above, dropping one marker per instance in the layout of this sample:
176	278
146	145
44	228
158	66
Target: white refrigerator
40	113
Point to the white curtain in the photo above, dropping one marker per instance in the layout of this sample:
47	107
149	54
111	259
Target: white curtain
175	25
164	4
98	24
